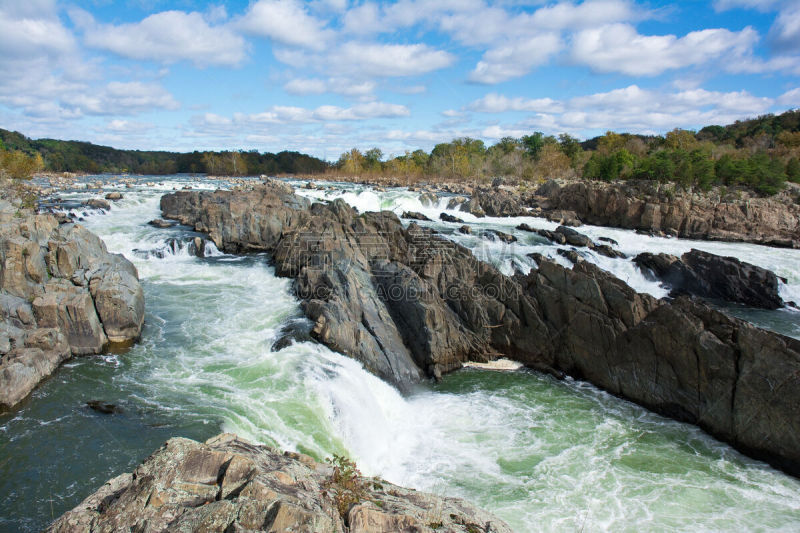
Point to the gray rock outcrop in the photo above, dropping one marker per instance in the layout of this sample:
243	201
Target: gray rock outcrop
61	294
408	303
712	276
651	207
229	484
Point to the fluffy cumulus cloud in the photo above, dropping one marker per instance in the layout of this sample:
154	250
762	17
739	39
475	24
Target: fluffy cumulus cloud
516	59
497	103
302	115
166	37
785	32
620	48
287	22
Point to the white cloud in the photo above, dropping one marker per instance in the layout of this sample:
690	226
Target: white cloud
619	48
790	98
516	59
363	19
785	32
286	22
301	115
166	37
760	5
343	86
497	103
392	59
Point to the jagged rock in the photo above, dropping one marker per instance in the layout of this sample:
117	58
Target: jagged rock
413	215
429	199
495	203
161	223
564	217
608	251
558	238
98	203
573	237
114	196
473	207
572	255
658	208
712	276
455	202
49	274
408	303
229	484
450	218
499	235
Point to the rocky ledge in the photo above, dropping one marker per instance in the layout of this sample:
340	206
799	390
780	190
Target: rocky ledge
61	294
408	303
662	208
229	484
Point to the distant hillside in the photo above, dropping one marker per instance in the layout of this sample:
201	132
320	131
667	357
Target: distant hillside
76	156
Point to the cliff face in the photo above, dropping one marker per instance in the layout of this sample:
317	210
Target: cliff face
61	294
773	221
228	484
408	303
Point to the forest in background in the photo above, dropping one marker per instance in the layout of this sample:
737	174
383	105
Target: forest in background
760	154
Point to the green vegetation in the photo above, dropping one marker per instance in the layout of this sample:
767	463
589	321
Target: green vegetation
345	486
760	154
74	156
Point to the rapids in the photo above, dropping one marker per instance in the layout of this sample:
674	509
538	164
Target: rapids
542	454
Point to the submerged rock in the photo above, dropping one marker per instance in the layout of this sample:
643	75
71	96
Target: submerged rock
161	223
229	484
414	215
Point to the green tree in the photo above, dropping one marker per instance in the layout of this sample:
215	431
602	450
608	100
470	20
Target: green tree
793	170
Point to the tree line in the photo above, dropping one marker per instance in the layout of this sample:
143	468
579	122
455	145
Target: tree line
761	154
76	156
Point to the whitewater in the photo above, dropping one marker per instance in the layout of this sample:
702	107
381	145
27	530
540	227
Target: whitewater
544	455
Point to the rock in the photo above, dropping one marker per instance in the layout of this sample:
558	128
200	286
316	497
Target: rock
473	207
455	202
663	209
572	255
465	229
558	238
574	238
608	251
711	276
526	227
414	215
499	235
450	218
608	240
102	407
161	223
408	304
429	199
114	196
229	484
49	276
98	203
497	203
564	217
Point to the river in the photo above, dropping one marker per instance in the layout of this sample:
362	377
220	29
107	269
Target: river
542	454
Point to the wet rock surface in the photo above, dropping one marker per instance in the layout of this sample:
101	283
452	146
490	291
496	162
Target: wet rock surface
408	304
229	484
61	294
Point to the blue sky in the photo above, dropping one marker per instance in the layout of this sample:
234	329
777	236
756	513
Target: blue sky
327	75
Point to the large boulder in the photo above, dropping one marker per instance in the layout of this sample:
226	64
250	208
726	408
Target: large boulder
229	484
712	276
61	294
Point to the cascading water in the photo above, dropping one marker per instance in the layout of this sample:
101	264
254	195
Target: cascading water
542	454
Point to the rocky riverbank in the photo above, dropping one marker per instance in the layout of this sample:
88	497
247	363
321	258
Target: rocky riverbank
229	484
408	304
735	216
61	294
